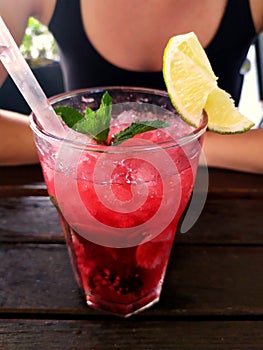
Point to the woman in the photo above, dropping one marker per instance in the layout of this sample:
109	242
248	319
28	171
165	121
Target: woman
104	42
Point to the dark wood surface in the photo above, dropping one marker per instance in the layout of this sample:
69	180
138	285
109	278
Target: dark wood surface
212	296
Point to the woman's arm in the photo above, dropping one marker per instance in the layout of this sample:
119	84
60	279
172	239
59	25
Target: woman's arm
17	144
16	139
242	152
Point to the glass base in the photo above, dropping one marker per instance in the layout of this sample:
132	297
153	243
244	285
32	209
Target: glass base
123	310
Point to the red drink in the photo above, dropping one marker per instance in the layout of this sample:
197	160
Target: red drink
119	206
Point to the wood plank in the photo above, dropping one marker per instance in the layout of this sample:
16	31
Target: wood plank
225	183
130	334
22	181
37	278
201	281
21	175
23	190
29	219
227	221
34	219
28	180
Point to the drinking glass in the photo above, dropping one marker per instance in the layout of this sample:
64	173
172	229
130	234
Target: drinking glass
119	204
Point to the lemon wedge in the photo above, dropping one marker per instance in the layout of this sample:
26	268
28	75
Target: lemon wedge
192	87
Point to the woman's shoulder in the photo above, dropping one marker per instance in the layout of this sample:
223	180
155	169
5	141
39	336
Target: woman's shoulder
257	14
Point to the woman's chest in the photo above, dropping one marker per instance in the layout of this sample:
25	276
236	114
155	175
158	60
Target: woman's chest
133	34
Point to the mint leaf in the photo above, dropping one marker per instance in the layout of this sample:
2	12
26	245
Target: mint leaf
72	118
96	124
69	115
136	128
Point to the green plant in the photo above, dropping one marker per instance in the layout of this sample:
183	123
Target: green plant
38	44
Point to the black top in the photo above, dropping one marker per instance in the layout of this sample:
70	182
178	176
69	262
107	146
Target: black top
84	67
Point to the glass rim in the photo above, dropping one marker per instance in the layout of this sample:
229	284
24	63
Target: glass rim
194	134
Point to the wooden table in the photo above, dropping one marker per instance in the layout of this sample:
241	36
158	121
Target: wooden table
212	296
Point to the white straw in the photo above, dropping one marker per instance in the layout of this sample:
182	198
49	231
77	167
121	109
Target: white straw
26	82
